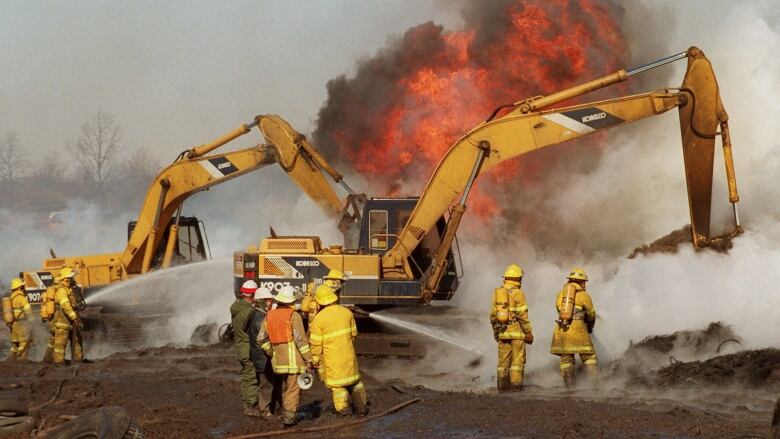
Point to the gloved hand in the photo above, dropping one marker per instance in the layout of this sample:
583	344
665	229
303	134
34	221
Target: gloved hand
529	338
79	323
590	326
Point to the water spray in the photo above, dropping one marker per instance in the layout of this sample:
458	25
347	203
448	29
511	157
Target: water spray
426	331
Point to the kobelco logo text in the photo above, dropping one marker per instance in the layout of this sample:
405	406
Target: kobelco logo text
307	263
224	165
592	117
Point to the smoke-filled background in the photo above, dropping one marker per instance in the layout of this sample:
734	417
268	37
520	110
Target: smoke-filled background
383	89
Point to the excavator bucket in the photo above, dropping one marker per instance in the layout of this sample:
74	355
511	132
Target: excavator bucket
699	120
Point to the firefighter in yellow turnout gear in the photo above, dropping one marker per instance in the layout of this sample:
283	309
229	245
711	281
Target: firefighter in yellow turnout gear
335	280
576	319
511	328
332	334
66	323
47	313
309	306
283	338
16	313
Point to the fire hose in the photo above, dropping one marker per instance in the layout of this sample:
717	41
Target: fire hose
331	426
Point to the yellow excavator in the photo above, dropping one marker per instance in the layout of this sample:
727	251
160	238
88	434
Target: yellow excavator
161	237
405	247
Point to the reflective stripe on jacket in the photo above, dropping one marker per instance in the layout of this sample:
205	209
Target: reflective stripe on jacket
575	338
66	300
21	307
519	324
332	335
290	357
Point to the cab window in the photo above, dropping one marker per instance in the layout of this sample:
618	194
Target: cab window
377	229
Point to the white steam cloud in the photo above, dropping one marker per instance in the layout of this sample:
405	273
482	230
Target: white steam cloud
637	194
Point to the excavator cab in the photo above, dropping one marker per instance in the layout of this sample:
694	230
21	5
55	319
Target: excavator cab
192	244
383	221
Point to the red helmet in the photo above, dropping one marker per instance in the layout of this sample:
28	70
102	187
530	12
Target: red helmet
248	288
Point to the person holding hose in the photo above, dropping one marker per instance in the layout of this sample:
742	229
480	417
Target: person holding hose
66	324
332	335
576	319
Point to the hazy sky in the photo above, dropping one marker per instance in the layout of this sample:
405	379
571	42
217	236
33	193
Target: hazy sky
180	73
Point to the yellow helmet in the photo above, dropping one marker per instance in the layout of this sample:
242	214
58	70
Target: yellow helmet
16	283
578	274
67	272
513	271
335	275
324	295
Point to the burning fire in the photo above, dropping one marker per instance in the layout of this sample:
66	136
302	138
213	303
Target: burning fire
408	104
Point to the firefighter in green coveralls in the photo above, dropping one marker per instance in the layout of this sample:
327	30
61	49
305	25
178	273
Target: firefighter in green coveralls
241	312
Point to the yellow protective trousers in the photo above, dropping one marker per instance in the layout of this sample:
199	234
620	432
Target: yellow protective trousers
291	397
65	333
511	364
20	340
48	356
356	392
567	367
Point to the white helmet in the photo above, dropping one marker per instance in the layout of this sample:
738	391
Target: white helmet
263	293
286	294
248	288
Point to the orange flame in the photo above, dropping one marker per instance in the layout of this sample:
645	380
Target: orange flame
396	119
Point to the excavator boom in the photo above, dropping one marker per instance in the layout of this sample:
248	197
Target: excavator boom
530	125
196	170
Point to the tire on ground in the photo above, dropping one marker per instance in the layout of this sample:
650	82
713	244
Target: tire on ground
15	406
111	422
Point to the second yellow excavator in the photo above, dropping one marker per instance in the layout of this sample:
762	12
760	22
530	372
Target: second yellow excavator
161	237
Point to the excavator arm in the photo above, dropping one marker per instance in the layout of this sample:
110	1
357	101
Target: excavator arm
195	171
529	126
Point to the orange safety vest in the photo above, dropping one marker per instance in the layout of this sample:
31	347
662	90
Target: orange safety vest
279	325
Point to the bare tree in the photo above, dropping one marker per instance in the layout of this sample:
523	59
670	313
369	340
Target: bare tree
49	171
96	147
140	165
11	158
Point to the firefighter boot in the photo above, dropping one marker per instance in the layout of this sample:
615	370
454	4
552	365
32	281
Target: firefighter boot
502	380
252	411
592	374
22	349
516	375
289	419
48	356
359	398
340	400
567	372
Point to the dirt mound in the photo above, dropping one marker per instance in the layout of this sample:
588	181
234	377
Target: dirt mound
757	368
660	350
671	243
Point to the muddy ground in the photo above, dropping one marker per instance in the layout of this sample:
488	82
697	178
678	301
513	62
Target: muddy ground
193	392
